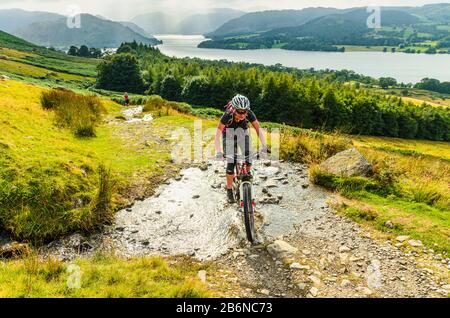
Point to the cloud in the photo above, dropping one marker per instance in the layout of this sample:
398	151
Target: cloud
120	9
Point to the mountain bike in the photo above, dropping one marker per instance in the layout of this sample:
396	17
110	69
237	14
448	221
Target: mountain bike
243	191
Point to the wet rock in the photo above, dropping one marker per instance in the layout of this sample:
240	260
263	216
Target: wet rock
14	250
271	184
158	212
203	167
269	200
267	163
120	228
347	163
305	186
281	249
196	197
129	210
145	243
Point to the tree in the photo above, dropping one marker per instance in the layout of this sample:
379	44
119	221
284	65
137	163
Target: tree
124	49
95	53
170	88
385	82
197	90
84	51
73	51
120	73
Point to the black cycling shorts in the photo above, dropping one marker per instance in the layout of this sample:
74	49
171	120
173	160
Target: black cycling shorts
232	142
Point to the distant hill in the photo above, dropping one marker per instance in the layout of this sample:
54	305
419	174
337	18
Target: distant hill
207	22
10	41
338	27
156	23
13	19
94	32
257	22
136	28
402	28
436	13
162	23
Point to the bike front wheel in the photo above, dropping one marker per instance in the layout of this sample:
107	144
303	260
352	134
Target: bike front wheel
248	212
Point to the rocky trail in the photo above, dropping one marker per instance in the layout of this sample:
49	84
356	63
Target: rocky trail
305	248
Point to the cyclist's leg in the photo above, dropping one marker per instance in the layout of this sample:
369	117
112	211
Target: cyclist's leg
228	145
244	145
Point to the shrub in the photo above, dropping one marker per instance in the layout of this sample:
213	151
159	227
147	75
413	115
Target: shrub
308	147
101	207
424	193
162	107
77	112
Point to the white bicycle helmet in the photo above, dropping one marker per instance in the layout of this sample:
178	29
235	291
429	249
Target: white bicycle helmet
240	102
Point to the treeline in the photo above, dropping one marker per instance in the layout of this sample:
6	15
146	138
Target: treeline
84	51
434	85
306	100
312	45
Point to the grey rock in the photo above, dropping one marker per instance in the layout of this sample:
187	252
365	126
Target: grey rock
347	163
281	249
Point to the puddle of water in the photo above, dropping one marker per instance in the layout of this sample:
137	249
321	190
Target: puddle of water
130	114
191	216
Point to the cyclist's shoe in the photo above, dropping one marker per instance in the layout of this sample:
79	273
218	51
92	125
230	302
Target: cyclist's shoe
230	196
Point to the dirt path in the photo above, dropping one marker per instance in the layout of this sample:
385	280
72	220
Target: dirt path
326	255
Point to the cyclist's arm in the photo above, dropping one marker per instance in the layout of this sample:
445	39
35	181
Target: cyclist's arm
260	133
219	131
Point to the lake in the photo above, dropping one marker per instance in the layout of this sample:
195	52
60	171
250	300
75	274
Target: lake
407	68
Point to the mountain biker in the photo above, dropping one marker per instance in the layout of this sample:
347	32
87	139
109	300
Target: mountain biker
233	127
126	99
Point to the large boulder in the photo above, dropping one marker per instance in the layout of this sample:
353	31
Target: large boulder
347	163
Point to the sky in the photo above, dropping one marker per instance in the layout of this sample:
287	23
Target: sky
127	9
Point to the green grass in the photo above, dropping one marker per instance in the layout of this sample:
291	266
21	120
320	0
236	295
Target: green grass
102	276
20	58
49	171
409	187
417	220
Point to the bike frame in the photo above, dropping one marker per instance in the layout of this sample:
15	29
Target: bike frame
241	177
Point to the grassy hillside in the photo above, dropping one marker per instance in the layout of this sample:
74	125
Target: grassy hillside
51	181
103	277
410	30
21	59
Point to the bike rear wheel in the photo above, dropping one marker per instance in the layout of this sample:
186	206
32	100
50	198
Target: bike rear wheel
249	212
